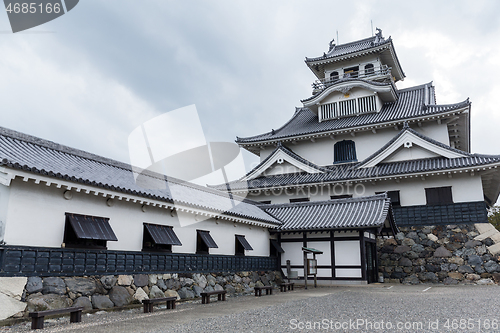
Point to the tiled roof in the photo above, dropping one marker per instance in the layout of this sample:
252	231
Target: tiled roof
353	171
290	153
410	104
363	212
356	46
35	155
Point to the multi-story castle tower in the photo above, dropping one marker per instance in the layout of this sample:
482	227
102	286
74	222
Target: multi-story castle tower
356	137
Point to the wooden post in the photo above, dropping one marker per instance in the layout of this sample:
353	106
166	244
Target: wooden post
316	272
305	269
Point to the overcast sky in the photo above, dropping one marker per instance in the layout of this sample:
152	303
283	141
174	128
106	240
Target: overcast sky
90	77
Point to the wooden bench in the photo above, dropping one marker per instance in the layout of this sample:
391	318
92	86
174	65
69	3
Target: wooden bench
286	286
258	290
205	296
38	317
148	303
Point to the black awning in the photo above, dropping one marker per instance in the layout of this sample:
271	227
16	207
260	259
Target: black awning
162	235
277	246
91	227
207	239
243	241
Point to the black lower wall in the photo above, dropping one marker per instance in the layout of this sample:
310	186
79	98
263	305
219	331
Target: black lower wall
456	213
38	261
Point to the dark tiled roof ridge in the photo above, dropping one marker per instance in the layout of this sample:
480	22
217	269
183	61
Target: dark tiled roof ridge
86	155
61	148
381	196
298	110
18	136
433	109
424	137
327	56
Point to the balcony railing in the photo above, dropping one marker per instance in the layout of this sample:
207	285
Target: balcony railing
369	73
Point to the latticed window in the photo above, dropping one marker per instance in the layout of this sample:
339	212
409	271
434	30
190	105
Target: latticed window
344	151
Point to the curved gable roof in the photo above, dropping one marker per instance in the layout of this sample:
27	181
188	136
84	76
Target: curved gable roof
412	103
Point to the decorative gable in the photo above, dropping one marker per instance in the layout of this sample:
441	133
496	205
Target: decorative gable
282	161
409	145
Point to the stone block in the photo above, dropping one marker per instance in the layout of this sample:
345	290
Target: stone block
39	302
120	296
125	280
172	293
156	292
54	285
153	278
34	284
140	295
101	302
109	281
442	252
141	280
10	306
83	301
13	286
84	286
494	249
456	275
484	227
496	237
487	234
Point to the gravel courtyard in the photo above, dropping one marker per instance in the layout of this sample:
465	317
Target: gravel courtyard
372	308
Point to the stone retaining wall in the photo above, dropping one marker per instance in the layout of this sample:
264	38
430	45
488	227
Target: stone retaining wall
103	292
449	254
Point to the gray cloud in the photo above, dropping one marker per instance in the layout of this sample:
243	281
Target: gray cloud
111	65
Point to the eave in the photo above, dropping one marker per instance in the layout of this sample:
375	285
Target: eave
255	147
472	171
171	207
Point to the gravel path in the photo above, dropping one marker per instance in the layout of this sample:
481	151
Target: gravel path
374	308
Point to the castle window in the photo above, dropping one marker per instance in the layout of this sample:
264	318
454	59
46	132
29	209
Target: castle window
241	244
204	242
334	76
341	196
394	196
299	200
351	72
369	69
438	195
275	248
88	232
159	238
344	151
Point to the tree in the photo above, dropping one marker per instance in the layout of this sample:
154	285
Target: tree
494	216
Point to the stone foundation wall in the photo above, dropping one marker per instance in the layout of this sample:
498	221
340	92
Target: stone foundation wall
102	292
451	254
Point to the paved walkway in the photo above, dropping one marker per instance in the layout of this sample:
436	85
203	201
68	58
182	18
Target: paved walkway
373	308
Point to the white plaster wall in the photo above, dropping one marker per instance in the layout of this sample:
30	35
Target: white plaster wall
293	252
347	253
36	217
279	169
348	272
413	153
321	151
4	204
339	66
353	93
325	258
465	188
